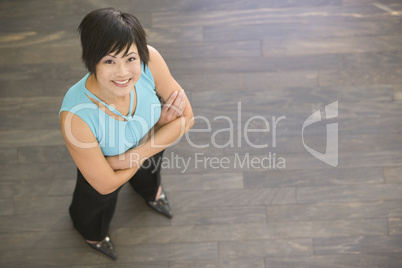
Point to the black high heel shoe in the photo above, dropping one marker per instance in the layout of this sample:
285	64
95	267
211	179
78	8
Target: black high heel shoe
161	205
105	246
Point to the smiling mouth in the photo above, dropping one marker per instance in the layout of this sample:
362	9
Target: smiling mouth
122	83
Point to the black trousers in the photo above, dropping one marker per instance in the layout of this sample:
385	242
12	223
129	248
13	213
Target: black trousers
92	212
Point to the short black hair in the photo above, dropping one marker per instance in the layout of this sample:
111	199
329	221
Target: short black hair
108	30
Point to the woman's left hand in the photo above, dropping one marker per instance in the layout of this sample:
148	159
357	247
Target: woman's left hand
172	108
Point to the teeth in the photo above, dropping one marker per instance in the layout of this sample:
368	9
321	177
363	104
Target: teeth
122	83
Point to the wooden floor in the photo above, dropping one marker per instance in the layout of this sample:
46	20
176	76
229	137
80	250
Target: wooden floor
244	64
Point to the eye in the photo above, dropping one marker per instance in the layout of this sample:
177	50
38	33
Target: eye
131	59
108	61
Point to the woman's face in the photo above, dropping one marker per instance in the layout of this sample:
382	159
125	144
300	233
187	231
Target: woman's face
117	74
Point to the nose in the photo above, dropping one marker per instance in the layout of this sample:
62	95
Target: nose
121	70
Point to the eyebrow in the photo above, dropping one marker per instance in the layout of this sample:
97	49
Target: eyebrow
124	56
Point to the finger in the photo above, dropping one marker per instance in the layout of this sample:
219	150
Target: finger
179	98
178	103
182	104
180	108
169	101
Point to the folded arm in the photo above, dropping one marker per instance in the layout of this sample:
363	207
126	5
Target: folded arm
176	118
88	156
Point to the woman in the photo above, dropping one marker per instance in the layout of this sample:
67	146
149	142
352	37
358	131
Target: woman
113	124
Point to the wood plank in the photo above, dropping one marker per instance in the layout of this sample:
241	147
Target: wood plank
161	264
356	44
21	88
29	121
220	263
70	14
30	105
370	158
33	72
297	30
263	106
10	54
360	77
219	215
395	226
209	181
386	109
134	255
394	125
288	247
313	3
174	35
316	177
384	141
44	154
277	95
210	50
337	228
37	187
28	172
59	87
6	207
193	5
40	27
255	64
219	198
175	155
77	71
398	92
337	261
35	222
245	81
251	231
334	211
355	245
350	193
288	132
287	140
367	2
55	53
32	45
8	155
168	252
25	240
38	204
264	14
21	8
40	137
382	59
393	174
